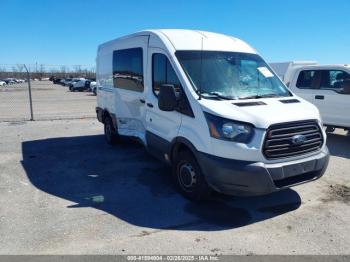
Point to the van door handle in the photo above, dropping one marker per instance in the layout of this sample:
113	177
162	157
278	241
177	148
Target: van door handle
319	97
142	101
149	105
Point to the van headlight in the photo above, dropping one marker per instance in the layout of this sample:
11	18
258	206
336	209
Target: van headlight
230	130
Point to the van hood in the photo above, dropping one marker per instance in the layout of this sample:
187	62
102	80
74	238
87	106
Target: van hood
269	111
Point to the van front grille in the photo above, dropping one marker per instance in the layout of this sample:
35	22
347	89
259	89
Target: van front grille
292	139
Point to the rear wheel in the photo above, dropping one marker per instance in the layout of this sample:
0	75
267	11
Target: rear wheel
110	132
189	177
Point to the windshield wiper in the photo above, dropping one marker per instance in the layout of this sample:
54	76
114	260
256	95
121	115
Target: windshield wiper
217	95
260	96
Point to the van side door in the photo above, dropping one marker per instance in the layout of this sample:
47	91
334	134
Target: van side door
161	126
129	69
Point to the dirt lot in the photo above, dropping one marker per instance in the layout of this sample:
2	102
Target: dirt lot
49	102
63	190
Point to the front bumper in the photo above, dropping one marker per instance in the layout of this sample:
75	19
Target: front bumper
244	178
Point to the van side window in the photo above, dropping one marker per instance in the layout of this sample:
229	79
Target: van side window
163	73
128	69
306	79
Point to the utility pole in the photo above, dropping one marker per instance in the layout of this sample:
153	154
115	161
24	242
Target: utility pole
30	94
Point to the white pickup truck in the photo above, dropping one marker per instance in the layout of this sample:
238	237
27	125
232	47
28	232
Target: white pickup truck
326	86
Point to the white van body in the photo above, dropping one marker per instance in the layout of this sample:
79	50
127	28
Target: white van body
326	86
212	141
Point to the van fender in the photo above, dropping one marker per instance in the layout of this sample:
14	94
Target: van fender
178	144
182	143
195	136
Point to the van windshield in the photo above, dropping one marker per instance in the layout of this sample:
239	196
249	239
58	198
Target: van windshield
230	75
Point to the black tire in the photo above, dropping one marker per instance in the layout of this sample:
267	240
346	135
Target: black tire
189	177
111	134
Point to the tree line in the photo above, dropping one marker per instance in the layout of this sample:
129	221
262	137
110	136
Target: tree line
40	71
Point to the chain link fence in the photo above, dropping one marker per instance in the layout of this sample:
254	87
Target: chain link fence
31	96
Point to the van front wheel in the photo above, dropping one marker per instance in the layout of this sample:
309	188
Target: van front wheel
111	134
189	177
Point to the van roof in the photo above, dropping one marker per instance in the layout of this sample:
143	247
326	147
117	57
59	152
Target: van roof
184	39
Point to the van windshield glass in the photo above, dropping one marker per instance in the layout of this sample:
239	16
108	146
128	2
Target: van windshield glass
230	75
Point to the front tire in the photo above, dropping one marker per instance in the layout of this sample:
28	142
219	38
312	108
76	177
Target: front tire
110	132
189	177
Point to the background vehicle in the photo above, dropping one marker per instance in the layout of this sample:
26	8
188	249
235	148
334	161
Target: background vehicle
67	81
2	83
80	85
62	81
56	80
326	86
208	105
93	87
74	81
10	81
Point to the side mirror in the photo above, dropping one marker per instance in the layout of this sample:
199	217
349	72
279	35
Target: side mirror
167	100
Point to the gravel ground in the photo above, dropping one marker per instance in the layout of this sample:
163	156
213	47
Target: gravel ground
63	190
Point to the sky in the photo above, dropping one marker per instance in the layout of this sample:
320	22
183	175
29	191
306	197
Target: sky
56	32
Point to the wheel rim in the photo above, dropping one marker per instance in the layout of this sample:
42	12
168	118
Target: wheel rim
187	177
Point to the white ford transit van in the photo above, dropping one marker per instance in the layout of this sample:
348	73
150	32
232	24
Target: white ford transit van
326	86
210	106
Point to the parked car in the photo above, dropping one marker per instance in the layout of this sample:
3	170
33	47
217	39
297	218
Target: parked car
73	81
56	80
63	80
80	85
326	86
2	83
10	81
217	114
67	81
93	87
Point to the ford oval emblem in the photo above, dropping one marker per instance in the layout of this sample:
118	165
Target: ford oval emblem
298	139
